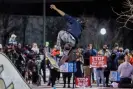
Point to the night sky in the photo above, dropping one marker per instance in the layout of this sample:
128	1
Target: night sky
98	8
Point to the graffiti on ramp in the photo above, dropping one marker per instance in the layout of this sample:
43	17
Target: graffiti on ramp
10	78
2	82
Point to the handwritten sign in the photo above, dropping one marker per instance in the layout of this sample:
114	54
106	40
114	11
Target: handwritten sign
68	67
72	67
98	61
114	76
64	67
83	82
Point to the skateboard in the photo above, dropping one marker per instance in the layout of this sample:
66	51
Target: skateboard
52	61
65	57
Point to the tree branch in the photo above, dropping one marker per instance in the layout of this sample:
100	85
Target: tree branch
126	16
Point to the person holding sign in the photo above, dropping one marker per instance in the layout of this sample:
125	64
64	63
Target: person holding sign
105	52
100	74
86	55
79	62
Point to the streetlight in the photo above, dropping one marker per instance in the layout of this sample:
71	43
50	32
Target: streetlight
103	31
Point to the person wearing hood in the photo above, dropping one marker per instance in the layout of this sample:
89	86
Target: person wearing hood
120	55
125	70
35	48
113	63
12	39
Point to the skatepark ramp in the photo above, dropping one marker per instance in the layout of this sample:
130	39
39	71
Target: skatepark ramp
10	78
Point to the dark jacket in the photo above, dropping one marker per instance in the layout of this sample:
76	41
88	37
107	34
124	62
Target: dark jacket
75	26
87	54
113	63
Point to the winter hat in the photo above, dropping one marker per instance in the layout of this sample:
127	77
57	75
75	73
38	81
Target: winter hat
13	35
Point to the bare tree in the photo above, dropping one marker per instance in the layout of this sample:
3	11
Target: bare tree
126	17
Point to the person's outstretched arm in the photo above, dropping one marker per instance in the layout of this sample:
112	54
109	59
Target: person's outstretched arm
67	17
58	10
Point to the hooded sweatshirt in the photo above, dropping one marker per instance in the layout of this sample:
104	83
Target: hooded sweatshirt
75	27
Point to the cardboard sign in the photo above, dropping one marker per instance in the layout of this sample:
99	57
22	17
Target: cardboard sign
82	82
64	67
98	61
114	76
68	67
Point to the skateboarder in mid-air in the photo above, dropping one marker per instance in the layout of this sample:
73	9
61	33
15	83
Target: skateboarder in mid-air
67	39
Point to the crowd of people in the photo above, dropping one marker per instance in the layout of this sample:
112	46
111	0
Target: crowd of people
118	60
30	60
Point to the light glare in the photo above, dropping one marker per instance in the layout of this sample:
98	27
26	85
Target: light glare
103	31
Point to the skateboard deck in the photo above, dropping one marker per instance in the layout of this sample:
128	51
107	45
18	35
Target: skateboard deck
52	61
65	57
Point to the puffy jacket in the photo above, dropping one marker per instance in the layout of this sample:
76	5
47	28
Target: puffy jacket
55	52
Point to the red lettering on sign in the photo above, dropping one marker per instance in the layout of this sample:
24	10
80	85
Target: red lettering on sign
82	82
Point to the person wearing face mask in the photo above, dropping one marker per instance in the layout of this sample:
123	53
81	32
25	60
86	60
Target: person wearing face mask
113	63
127	52
88	72
125	70
100	73
120	56
105	52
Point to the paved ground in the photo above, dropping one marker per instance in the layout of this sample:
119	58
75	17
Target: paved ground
60	85
44	86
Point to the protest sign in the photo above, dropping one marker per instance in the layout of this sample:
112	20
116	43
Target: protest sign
68	67
82	82
98	61
114	76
